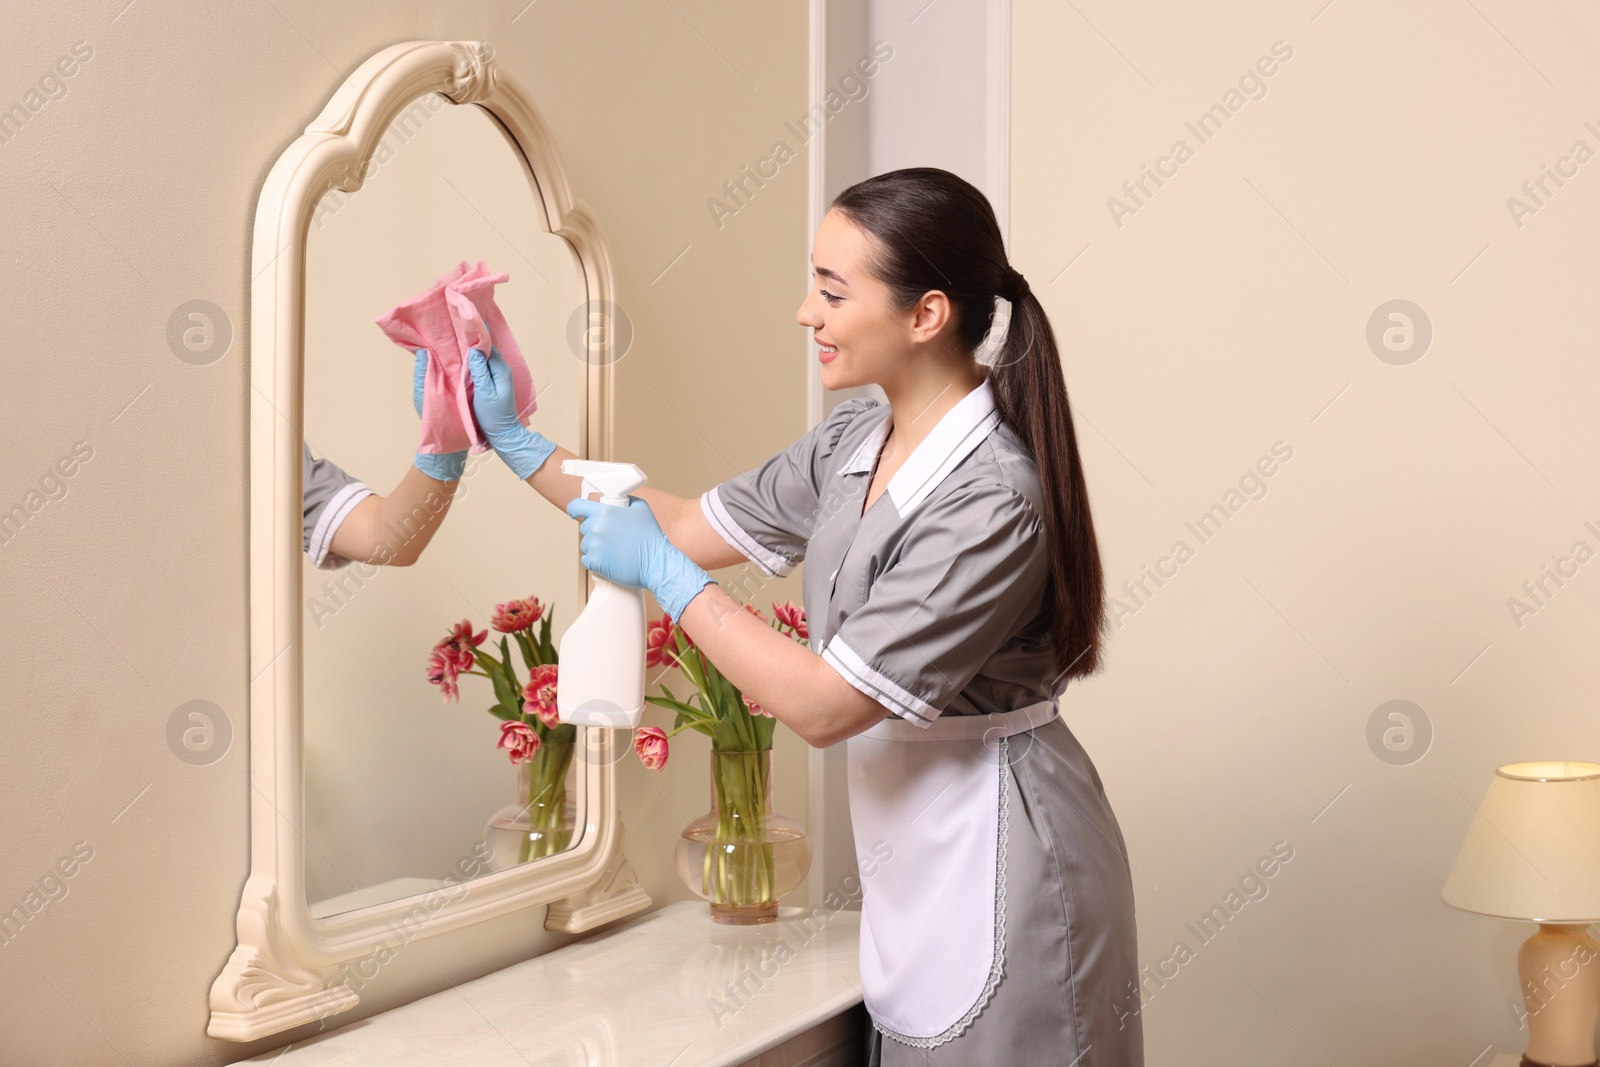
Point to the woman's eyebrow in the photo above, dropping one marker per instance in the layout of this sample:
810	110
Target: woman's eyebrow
835	275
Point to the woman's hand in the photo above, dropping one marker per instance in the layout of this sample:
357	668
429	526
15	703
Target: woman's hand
444	466
626	546
494	404
419	376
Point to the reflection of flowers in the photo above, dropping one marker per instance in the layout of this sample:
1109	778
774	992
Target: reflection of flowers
650	743
516	615
442	673
452	656
532	706
541	693
462	642
531	731
519	739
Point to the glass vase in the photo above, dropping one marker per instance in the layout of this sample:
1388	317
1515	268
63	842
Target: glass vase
741	856
544	817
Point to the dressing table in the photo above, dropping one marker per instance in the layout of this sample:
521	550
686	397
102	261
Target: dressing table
669	987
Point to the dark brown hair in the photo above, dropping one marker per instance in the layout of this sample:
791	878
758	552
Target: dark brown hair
934	230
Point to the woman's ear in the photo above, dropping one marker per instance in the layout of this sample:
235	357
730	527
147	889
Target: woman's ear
932	314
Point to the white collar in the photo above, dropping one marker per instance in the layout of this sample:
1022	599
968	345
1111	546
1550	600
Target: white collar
958	432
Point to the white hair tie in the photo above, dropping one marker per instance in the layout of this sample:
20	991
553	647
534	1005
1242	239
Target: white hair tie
994	340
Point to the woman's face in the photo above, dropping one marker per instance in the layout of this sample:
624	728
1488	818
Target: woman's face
861	339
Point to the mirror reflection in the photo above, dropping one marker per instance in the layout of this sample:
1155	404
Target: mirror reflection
406	571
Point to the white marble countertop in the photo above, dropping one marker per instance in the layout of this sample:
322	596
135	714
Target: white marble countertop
670	987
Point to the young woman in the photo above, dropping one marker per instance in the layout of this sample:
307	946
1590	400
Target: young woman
953	587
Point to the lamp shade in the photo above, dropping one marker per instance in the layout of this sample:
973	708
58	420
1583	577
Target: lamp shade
1533	850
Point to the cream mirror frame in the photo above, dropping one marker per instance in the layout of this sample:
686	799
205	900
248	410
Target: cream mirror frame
287	967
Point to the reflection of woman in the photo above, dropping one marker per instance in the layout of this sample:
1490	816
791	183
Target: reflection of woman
344	520
952	586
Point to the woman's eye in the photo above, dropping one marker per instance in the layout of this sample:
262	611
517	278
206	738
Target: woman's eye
829	297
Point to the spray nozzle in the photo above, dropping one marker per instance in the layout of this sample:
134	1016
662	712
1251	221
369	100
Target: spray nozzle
613	481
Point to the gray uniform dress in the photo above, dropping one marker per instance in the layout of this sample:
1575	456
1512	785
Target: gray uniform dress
328	494
931	603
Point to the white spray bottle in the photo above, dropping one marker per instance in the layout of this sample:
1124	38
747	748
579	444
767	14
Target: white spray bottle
601	681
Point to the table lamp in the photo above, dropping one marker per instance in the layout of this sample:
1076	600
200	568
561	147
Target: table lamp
1533	853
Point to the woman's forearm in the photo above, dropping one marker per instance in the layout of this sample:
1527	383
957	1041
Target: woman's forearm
394	529
785	678
561	489
679	517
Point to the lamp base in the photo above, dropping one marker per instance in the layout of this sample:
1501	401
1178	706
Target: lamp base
1559	968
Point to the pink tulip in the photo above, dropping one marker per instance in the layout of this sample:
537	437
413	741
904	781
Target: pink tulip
457	648
462	634
658	642
519	740
650	742
793	616
540	694
752	609
442	673
516	615
755	709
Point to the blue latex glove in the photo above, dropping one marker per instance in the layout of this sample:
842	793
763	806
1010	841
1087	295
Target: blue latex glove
445	466
494	404
626	546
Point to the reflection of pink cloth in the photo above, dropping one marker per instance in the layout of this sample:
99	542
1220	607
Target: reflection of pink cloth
458	313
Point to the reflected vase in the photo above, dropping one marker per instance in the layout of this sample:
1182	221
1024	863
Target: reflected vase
542	820
741	856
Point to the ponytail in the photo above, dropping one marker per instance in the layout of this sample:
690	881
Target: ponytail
1031	394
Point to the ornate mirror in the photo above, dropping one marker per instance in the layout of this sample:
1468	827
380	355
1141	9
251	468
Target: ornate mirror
377	806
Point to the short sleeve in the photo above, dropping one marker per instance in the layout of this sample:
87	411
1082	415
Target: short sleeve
327	496
966	580
769	513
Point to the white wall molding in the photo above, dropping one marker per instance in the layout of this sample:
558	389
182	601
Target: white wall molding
920	123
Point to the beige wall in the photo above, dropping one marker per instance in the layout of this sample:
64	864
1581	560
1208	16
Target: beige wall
125	598
1229	312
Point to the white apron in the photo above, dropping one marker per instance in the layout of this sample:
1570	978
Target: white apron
933	914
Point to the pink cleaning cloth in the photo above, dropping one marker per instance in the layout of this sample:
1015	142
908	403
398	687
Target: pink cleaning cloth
456	314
